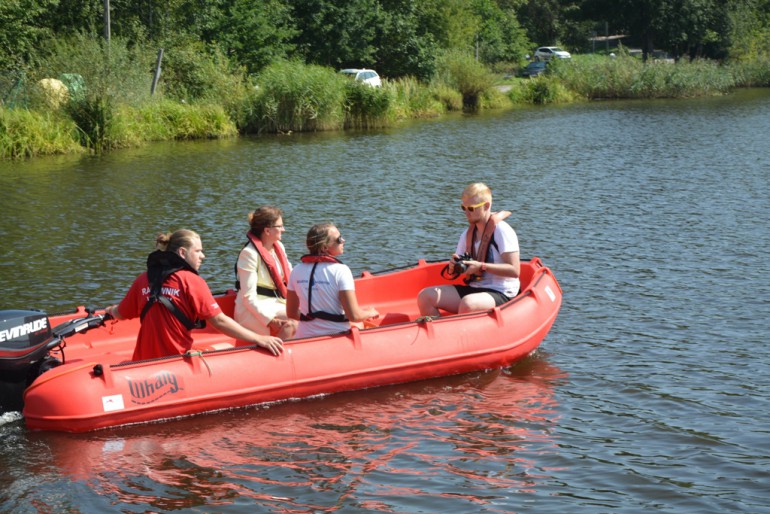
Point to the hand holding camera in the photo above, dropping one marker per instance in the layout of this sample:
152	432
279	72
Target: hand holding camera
458	263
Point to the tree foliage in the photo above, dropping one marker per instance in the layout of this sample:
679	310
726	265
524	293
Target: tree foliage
398	37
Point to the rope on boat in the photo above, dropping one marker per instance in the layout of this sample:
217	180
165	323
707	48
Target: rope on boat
198	353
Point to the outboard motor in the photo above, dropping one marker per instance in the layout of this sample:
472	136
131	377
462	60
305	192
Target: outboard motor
25	340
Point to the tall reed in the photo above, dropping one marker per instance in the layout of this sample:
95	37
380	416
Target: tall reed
367	107
460	71
414	99
290	96
165	120
754	73
25	133
598	76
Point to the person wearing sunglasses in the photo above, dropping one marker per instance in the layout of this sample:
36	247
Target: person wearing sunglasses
322	293
262	273
490	260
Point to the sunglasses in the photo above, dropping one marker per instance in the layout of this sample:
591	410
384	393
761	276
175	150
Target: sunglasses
339	240
471	208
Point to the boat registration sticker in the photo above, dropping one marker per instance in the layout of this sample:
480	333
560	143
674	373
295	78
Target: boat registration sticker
550	294
113	403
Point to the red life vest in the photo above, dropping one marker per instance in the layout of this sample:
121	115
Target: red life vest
318	258
279	281
486	239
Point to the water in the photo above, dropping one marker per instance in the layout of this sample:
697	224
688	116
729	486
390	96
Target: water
649	394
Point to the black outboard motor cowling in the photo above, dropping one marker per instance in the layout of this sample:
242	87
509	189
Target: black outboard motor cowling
25	337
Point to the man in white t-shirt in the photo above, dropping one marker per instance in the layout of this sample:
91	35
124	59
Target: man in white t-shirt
489	249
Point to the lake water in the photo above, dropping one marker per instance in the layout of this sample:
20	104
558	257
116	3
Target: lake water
650	394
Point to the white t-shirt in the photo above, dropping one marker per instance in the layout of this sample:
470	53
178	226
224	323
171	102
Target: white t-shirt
507	241
329	279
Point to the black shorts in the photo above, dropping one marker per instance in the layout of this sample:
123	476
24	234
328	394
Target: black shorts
499	297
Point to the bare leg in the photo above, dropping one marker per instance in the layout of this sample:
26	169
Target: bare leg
431	299
476	302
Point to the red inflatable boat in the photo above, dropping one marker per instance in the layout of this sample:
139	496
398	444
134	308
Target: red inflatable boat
85	381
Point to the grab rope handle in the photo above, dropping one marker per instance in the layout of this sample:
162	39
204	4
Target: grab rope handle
198	353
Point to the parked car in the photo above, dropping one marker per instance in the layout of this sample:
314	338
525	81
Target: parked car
546	52
369	77
534	68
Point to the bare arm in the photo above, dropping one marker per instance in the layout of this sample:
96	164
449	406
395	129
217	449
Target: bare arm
230	327
510	267
113	311
292	305
352	309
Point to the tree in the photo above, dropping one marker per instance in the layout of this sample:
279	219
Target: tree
693	27
21	30
404	46
256	33
749	29
336	32
500	36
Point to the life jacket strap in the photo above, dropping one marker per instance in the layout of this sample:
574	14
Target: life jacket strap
339	318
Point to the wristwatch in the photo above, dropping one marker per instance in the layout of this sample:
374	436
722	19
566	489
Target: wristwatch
483	267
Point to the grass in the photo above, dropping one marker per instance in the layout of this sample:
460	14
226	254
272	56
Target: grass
25	133
290	97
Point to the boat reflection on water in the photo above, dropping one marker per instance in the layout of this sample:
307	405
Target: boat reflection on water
479	434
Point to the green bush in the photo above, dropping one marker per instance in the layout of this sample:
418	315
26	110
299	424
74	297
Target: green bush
449	98
755	73
413	99
120	70
366	106
93	117
191	71
165	120
290	96
25	133
462	72
597	76
548	90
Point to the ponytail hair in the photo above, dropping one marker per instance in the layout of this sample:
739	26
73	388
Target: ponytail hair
171	242
318	238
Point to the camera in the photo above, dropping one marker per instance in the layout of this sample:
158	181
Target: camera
460	266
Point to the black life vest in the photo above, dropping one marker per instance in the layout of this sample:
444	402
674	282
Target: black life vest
311	315
160	266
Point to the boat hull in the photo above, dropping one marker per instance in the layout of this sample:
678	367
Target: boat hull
96	388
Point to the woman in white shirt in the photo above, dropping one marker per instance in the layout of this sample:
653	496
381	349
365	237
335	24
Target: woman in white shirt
322	292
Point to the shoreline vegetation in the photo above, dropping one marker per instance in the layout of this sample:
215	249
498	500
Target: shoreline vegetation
110	106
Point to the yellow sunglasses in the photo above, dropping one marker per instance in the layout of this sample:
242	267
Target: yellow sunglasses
471	208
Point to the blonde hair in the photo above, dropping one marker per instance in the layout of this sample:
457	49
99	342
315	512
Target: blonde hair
479	191
318	238
171	242
263	217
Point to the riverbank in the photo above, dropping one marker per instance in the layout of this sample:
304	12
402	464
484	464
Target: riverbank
291	97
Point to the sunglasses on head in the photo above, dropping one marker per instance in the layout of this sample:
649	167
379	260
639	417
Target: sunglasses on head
471	208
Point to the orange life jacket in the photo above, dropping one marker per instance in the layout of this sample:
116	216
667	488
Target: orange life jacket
487	239
279	281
